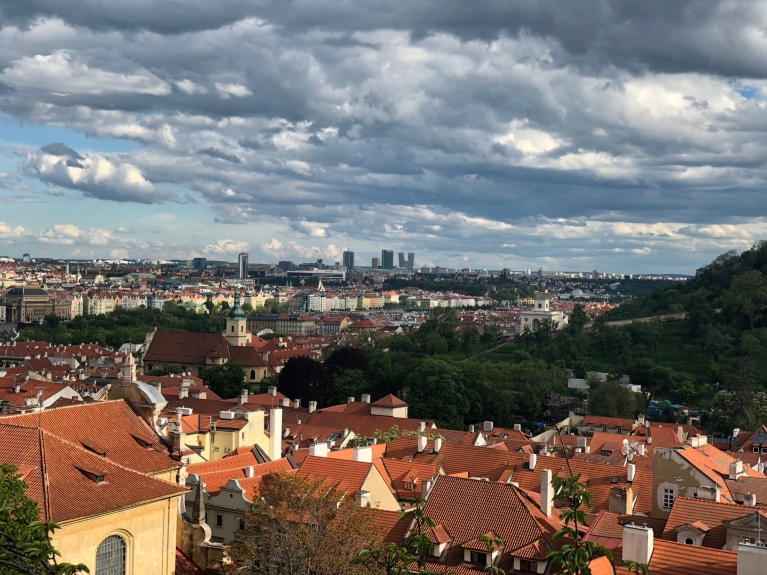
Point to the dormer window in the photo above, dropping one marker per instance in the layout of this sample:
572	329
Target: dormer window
409	486
527	566
479	557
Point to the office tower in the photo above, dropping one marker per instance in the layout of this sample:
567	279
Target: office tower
540	272
376	263
411	261
387	259
200	263
595	274
286	265
349	260
242	265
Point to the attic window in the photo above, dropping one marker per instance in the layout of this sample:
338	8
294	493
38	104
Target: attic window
409	486
607	452
143	442
614	480
478	557
93	448
96	476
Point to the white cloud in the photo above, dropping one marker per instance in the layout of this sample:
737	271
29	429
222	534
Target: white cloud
9	233
65	73
229	90
190	88
225	248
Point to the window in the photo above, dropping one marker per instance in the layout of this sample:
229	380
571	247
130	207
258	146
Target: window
764	449
252	374
755	449
409	486
110	556
688	541
232	329
668	498
604	428
219	520
527	566
620	430
243	436
477	557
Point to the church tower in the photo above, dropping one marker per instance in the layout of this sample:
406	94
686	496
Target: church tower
236	325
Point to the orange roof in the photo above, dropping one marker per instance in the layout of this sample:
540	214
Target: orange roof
389	401
109	427
672	558
712	514
346	476
63	475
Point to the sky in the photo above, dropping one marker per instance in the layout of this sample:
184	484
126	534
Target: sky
622	136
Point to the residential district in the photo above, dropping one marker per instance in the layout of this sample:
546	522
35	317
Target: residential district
158	474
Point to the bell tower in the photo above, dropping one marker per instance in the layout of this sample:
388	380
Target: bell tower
236	325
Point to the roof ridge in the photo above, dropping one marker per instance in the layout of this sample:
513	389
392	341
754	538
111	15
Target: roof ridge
44	471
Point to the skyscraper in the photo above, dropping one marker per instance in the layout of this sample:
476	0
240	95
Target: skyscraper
200	263
376	263
387	259
349	260
411	261
242	265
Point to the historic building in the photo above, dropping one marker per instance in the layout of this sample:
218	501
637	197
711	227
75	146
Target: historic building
30	304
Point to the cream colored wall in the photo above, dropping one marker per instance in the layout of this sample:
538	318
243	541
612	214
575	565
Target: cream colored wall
381	496
233	439
149	531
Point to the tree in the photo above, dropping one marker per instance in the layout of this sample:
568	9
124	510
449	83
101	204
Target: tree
351	383
226	380
436	391
578	319
747	295
166	369
611	399
346	358
25	542
301	526
469	338
686	391
306	379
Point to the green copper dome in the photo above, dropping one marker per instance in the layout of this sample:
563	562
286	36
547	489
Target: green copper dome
237	312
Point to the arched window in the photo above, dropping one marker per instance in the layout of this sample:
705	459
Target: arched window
110	556
252	374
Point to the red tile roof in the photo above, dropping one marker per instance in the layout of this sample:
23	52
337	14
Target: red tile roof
390	401
62	477
687	511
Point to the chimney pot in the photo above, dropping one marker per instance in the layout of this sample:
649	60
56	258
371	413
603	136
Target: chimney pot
488	426
249	471
471	429
365	398
272	390
437	444
350	399
517	427
533	461
422	440
421	426
312	406
296	403
631	472
547	492
637	543
749	500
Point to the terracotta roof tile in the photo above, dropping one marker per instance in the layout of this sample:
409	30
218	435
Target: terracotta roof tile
687	511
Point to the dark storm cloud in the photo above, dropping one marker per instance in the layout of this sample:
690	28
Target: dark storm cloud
214	153
61	149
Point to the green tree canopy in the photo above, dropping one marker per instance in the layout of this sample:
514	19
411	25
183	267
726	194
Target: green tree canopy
226	380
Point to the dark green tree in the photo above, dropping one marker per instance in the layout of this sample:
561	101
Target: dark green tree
747	295
226	380
306	379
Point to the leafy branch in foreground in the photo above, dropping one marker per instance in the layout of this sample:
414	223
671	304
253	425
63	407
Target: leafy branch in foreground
574	556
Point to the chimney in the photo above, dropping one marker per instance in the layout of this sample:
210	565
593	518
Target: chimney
363	454
471	429
365	398
437	444
517	427
16	387
631	472
421	426
422	443
275	435
736	470
272	390
533	461
319	449
345	432
587	449
752	559
637	543
488	426
680	434
426	487
641	448
547	492
284	402
621	500
286	433
749	500
183	392
243	397
649	440
641	419
350	399
362	498
249	471
580	442
312	406
296	403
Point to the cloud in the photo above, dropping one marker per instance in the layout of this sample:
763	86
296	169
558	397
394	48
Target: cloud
53	192
214	153
9	233
96	176
225	248
12	182
229	90
190	88
64	72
